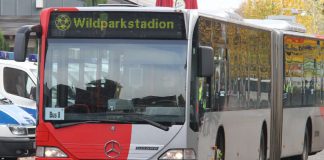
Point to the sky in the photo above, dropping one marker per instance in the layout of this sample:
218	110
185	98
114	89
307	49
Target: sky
216	4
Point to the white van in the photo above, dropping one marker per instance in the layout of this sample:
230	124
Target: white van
17	130
18	80
17	107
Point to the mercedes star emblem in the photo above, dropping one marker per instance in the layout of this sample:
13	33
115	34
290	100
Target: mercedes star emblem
113	128
112	149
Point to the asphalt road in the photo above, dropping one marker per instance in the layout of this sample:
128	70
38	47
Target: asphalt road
318	156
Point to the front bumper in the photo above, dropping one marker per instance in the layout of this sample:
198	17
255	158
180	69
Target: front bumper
17	146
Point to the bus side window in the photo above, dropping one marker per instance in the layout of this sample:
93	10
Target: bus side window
203	94
219	89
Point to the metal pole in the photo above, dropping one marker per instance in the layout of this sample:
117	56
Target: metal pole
276	94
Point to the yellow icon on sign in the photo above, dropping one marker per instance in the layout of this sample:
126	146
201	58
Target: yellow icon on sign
63	22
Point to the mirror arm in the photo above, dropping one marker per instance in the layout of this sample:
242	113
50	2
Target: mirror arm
21	40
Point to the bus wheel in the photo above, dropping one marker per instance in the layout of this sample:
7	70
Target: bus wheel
220	143
263	147
306	147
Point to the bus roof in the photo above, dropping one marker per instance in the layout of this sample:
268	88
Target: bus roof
131	9
224	14
277	24
305	35
286	27
230	16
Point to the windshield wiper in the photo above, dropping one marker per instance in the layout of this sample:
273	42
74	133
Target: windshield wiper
137	116
68	124
153	123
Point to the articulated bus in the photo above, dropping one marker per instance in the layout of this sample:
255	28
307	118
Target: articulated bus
303	86
158	83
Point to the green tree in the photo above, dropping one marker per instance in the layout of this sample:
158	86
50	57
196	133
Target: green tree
321	17
3	43
321	5
306	11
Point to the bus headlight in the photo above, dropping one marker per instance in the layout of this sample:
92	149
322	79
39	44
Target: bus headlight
18	130
50	152
172	154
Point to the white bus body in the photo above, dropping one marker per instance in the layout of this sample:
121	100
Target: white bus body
223	117
298	117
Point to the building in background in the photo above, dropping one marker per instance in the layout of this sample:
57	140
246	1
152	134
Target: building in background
147	3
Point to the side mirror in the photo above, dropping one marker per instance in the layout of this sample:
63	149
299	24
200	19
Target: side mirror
21	40
205	61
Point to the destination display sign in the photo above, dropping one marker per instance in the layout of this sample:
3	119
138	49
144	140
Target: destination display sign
142	25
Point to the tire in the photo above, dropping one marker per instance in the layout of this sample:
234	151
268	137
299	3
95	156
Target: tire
220	143
306	146
263	147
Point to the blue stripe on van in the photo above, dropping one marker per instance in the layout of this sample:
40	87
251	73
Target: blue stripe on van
6	119
30	111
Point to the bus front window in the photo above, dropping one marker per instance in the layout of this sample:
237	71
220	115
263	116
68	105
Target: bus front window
102	79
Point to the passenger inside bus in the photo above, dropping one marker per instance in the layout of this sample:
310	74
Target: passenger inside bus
97	94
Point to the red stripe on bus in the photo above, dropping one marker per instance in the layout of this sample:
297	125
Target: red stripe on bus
322	112
44	24
44	21
94	141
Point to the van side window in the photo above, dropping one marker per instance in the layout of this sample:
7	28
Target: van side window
17	82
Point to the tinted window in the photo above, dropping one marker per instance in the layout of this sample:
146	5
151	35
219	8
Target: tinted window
303	72
100	77
17	82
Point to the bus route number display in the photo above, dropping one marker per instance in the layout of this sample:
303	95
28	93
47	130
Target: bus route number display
143	25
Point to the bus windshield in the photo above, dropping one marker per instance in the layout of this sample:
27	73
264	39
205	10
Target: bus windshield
102	80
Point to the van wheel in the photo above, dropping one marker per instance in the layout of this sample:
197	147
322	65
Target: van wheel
263	147
220	143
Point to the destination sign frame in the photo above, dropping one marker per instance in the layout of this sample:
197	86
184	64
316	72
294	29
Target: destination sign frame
117	24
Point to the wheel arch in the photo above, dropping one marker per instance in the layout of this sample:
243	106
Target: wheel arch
309	127
221	134
221	129
264	131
